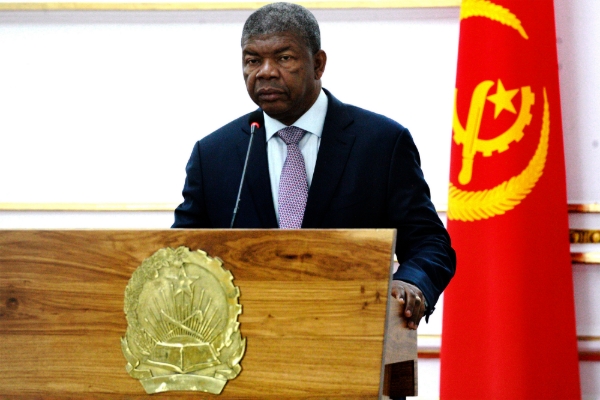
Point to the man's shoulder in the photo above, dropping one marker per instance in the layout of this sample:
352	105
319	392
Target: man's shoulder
367	115
362	117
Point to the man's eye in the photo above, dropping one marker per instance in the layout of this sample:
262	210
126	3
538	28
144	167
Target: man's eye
285	58
251	61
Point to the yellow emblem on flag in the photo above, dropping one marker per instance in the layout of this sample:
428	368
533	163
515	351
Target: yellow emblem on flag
466	205
468	136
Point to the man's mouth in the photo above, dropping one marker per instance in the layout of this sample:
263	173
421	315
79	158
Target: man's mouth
270	94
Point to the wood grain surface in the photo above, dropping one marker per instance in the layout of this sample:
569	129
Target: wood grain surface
314	311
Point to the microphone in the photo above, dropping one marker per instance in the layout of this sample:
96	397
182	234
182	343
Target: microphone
255	119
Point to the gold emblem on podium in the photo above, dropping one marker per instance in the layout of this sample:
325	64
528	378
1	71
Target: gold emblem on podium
182	334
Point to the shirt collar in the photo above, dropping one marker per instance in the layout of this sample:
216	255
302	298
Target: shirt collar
311	121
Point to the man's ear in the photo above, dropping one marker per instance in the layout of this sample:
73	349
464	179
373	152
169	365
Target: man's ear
320	59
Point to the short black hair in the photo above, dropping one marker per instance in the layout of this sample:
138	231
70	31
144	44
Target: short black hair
284	17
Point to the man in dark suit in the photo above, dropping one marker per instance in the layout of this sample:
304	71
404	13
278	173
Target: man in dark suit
359	169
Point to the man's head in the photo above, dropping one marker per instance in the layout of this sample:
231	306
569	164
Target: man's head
284	17
282	60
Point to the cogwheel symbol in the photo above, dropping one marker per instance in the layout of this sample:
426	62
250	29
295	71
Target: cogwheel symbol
515	132
469	137
464	205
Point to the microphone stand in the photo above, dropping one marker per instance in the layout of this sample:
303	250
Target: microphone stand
237	202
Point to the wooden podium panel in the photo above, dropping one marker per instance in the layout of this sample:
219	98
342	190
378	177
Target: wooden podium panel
313	311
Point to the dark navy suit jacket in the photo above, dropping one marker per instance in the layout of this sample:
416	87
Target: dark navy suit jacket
367	175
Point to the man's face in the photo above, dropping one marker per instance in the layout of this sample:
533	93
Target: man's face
282	75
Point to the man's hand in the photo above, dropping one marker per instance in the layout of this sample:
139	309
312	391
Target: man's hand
413	300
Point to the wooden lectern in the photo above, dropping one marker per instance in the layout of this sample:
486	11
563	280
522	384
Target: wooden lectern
314	306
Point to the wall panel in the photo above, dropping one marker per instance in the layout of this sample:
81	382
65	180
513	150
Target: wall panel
105	107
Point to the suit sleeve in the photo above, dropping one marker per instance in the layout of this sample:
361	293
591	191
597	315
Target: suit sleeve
192	212
423	248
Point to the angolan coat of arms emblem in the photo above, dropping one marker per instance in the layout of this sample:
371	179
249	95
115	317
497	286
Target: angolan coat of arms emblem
182	334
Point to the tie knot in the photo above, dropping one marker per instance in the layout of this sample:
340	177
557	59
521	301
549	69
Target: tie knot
291	134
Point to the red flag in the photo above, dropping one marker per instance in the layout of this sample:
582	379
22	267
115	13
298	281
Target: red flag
509	315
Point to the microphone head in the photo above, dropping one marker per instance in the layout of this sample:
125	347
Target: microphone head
256	119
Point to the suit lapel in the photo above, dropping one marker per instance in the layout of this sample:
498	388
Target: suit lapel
257	176
334	151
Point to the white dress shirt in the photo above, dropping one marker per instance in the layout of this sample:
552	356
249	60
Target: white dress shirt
311	121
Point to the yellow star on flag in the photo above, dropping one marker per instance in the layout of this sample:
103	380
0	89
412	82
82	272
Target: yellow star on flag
503	99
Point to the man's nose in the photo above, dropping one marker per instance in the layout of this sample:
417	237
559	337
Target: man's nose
267	70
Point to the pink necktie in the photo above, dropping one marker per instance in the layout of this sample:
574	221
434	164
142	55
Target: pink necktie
293	187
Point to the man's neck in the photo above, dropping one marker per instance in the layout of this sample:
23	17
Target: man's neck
311	121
